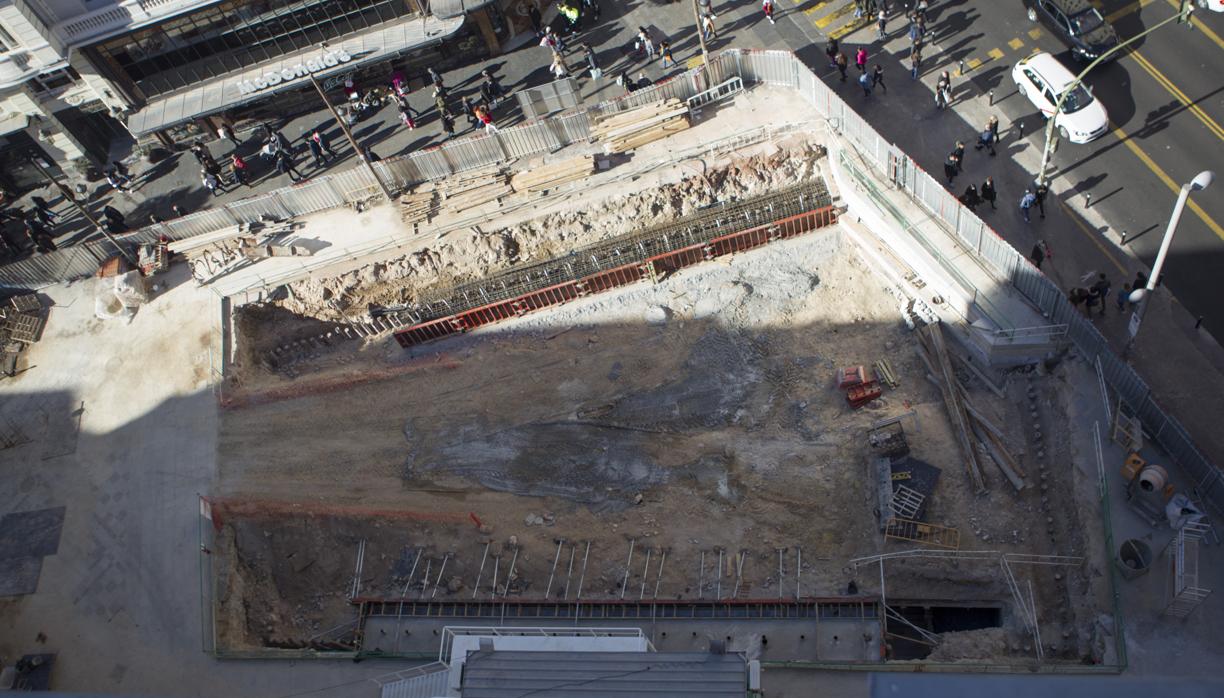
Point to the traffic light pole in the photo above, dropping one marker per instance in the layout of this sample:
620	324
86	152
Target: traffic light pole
1183	15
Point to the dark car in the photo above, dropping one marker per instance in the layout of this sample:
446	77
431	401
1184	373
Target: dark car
1078	24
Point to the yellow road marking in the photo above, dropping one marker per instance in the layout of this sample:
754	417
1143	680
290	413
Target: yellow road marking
694	62
973	63
995	53
851	27
1035	33
814	8
1016	44
1181	96
1198	24
822	22
1173	186
1091	235
1122	12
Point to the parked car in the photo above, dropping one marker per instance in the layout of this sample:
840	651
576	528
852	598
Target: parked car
1212	5
1077	24
1040	78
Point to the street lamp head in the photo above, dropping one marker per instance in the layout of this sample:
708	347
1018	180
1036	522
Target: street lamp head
1202	180
1137	295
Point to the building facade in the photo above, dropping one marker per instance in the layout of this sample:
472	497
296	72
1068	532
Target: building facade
75	75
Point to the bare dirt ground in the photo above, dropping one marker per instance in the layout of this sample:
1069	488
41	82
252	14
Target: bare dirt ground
710	395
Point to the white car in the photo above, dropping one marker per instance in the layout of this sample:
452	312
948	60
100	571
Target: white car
1212	5
1040	78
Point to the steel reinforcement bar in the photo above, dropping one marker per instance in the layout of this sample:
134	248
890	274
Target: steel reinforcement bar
651	254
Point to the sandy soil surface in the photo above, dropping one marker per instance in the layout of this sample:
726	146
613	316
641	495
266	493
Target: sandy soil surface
710	395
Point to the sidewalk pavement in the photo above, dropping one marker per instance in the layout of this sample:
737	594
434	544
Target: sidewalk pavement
177	179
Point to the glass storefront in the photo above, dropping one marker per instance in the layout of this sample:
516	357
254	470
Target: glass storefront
235	35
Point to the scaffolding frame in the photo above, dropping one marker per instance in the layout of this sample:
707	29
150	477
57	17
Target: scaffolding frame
1183	594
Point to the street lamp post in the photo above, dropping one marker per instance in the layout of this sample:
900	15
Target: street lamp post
705	54
352	141
1182	16
1140	296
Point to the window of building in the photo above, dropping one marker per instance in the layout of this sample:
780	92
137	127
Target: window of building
237	35
7	42
54	80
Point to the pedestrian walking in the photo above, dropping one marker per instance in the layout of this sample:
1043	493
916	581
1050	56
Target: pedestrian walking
915	32
558	68
211	182
943	90
767	7
986	139
881	22
831	51
645	44
1123	297
495	87
117	180
324	143
42	209
1101	290
1079	297
665	53
860	59
842	63
448	124
370	155
1026	203
915	64
1040	190
316	152
707	27
115	216
970	198
470	112
951	168
593	64
533	13
435	77
1037	256
706	7
865	83
992	125
988	192
225	132
959	153
486	118
284	165
1141	281
407	116
592	8
39	235
877	78
242	174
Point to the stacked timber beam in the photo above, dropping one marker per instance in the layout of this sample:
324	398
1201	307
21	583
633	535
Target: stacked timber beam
553	175
472	188
418	206
975	433
624	131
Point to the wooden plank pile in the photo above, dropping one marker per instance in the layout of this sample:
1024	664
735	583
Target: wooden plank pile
418	206
475	187
554	174
975	433
624	131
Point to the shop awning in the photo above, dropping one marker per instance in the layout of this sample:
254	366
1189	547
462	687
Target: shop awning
455	8
291	71
14	122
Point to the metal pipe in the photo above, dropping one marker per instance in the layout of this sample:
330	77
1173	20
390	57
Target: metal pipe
582	577
645	574
441	570
701	577
798	571
485	556
659	578
556	559
718	588
510	574
570	572
628	564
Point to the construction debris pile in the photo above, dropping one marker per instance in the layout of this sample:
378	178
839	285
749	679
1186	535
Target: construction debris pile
21	323
216	254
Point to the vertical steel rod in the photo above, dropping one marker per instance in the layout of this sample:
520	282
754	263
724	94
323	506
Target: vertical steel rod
556	559
701	577
659	578
628	564
476	587
510	574
645	574
570	572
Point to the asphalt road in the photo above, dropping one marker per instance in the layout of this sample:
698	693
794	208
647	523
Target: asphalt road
1165	99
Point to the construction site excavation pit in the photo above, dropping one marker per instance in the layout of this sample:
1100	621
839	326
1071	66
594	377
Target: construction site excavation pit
672	453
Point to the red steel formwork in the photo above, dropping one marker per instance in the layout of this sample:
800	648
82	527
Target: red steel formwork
651	268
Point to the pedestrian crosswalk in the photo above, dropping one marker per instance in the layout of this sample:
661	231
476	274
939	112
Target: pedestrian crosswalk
835	19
